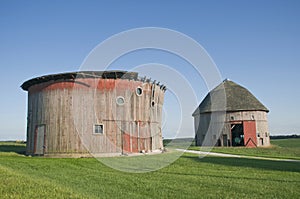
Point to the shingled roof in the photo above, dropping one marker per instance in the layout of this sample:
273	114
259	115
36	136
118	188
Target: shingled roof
237	98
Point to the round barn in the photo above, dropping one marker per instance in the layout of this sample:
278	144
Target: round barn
93	112
245	124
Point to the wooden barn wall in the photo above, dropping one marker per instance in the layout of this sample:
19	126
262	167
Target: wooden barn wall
202	121
70	110
209	128
261	120
263	129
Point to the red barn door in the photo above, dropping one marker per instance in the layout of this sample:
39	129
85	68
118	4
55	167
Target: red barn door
250	134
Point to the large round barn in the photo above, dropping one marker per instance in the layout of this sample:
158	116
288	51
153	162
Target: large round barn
93	112
244	122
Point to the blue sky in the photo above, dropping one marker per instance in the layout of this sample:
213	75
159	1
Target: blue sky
254	43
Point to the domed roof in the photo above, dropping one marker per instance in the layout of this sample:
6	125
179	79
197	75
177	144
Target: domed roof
237	98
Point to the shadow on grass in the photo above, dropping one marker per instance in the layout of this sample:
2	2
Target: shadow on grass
250	163
19	149
232	177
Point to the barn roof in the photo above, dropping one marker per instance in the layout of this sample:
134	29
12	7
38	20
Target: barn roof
116	74
237	98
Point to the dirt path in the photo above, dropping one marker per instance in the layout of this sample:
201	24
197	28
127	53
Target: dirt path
203	153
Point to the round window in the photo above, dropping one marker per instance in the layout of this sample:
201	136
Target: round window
120	100
139	91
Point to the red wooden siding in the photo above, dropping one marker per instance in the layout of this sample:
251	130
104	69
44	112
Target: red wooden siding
250	133
133	144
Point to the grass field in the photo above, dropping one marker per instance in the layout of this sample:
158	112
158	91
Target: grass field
187	177
281	148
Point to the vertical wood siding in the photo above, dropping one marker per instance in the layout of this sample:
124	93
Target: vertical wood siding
69	110
203	121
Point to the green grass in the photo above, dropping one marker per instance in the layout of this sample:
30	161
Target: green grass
289	143
187	177
12	148
283	148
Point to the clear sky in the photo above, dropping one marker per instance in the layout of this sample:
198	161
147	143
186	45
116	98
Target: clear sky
254	43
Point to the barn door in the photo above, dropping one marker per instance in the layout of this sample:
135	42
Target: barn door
261	141
250	133
39	140
225	142
237	134
126	143
129	143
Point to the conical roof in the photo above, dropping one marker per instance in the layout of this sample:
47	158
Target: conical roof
237	98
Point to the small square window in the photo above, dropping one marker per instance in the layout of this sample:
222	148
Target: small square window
98	129
266	134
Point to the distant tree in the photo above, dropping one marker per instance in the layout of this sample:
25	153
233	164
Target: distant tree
284	136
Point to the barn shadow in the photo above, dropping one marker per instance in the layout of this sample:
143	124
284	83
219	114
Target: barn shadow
250	163
13	147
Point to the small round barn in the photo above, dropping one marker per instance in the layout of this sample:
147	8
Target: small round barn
244	123
93	112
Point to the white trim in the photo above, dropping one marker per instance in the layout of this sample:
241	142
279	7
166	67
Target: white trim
120	97
136	91
103	129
